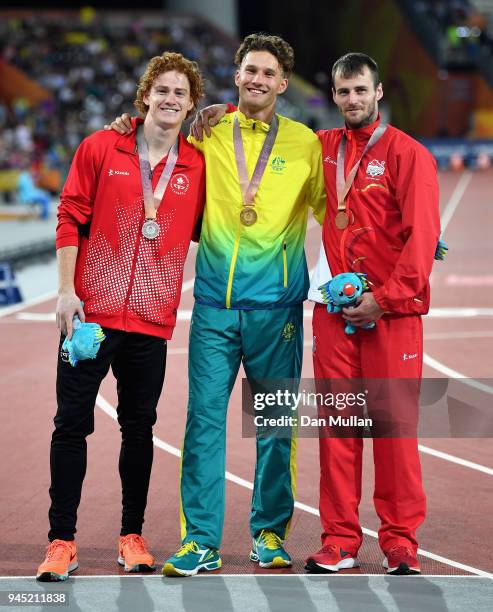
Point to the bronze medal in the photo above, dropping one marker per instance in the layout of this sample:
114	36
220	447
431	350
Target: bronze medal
248	216
342	220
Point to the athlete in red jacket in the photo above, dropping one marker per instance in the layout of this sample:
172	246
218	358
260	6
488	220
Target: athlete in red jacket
387	227
123	258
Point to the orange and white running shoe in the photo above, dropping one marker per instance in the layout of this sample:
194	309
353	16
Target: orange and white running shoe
60	560
133	554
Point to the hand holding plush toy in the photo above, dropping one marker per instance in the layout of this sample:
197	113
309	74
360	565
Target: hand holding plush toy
85	341
342	291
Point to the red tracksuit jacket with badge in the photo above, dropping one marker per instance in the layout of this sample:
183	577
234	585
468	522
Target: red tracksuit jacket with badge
394	216
126	281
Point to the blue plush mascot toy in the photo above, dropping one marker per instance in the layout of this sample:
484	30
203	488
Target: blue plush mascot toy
85	341
342	291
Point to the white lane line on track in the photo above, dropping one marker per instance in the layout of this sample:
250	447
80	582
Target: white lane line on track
310	577
458	335
453	459
186	314
8	310
459	313
35	316
111	412
426	358
443	369
469	280
455	199
186	286
444	313
462	378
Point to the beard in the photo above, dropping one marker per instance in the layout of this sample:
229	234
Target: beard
369	118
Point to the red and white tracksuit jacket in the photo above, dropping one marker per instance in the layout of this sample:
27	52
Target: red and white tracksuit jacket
392	236
126	281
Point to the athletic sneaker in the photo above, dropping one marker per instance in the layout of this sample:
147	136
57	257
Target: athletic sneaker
401	561
191	559
330	559
268	551
133	554
60	560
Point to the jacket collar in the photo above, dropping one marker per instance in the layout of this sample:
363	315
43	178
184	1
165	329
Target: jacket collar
128	144
248	123
362	133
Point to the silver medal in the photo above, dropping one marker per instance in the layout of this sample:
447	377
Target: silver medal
150	229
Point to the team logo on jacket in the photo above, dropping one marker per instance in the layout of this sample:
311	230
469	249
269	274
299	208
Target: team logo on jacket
288	332
179	184
278	164
375	168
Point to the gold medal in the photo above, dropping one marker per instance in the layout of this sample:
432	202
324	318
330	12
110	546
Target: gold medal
248	216
342	220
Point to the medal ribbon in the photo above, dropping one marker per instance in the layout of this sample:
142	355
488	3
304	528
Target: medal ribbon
249	188
152	199
344	185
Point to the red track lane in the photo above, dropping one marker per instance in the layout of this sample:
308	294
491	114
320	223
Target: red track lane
458	525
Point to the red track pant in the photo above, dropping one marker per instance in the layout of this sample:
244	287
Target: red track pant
394	349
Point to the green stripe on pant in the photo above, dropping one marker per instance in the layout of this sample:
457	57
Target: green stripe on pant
270	345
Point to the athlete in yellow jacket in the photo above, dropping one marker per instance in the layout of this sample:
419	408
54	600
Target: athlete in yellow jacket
250	284
251	280
262	265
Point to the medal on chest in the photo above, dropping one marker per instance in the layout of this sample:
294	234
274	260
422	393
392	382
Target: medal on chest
342	220
150	229
248	214
344	216
152	199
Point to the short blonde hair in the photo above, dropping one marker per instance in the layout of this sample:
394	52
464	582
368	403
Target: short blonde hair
164	63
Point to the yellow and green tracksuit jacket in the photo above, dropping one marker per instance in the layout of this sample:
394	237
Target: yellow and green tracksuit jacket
263	265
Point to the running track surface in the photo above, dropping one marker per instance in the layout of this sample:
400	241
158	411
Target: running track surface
456	535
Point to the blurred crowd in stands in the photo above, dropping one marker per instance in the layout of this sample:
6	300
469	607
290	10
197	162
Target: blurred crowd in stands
464	30
90	67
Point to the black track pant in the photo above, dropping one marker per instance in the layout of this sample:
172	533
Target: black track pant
138	362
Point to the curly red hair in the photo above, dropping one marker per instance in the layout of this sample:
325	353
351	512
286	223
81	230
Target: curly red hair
164	63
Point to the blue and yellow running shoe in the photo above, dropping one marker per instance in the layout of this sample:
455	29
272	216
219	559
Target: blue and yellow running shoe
191	559
268	550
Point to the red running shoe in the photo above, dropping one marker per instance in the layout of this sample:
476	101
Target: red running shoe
329	560
401	561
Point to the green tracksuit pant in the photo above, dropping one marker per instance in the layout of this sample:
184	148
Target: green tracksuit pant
270	345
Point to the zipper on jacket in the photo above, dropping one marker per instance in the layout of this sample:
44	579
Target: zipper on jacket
285	263
131	280
342	244
234	257
229	287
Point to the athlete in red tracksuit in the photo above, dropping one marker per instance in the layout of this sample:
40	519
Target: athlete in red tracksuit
393	231
130	283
